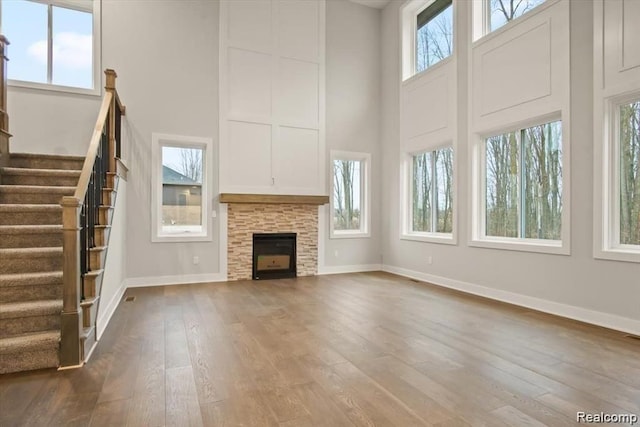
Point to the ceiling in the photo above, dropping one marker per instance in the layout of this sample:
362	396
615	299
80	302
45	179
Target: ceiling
378	4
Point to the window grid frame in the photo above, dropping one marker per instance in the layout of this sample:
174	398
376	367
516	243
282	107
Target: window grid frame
365	194
406	229
96	44
160	141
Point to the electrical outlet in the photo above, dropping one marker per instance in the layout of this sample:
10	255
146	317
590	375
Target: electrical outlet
214	214
429	260
335	253
196	260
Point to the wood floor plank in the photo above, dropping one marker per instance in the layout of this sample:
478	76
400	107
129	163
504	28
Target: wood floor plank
364	349
181	398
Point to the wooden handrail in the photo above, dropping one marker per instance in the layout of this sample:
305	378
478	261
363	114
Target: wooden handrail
87	167
80	220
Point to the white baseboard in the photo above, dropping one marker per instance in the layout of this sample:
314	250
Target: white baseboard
593	317
341	269
107	311
180	279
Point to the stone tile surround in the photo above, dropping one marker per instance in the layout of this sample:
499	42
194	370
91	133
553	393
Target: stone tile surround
244	219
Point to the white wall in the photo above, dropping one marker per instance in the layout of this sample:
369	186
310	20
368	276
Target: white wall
607	291
353	116
166	58
272	92
115	269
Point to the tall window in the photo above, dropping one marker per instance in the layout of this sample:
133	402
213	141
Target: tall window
53	43
503	11
523	183
180	196
434	34
431	194
629	173
350	194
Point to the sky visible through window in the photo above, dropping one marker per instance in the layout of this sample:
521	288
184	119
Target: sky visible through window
503	11
434	40
25	24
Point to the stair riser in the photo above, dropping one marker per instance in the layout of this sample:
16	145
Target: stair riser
36	263
105	216
44	163
89	315
30	218
102	236
65	181
27	361
23	325
31	240
97	259
30	293
32	198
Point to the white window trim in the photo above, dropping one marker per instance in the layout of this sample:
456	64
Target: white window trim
365	195
607	144
97	55
408	15
158	141
406	180
481	18
478	195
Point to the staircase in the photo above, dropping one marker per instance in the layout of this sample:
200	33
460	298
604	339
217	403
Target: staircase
31	188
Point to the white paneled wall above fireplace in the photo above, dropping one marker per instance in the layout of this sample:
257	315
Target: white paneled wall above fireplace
272	91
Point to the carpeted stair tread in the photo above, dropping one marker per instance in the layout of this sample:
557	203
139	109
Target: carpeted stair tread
45	161
40	172
30	342
30	279
29	207
23	252
45	189
30	229
30	308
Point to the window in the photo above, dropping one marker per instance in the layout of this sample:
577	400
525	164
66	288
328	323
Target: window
434	34
628	174
503	11
53	44
427	34
523	184
430	194
180	202
350	194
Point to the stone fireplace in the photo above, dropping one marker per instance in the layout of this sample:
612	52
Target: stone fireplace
253	214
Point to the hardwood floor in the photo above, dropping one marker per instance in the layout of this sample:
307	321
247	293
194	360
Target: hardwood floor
357	349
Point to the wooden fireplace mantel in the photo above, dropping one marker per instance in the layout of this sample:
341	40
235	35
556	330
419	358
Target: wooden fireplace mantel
276	199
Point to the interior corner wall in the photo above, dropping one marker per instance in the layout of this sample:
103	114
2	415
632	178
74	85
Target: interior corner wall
579	283
353	116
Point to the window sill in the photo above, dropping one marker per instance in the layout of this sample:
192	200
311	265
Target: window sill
553	247
623	253
426	71
181	238
439	238
349	235
44	87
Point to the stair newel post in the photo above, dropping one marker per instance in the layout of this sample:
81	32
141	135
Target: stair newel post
71	326
110	86
4	117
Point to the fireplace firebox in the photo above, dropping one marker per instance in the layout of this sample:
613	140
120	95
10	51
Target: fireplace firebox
274	255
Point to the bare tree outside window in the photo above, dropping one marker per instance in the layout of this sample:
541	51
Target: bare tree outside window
432	191
347	197
503	11
434	39
524	183
630	173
